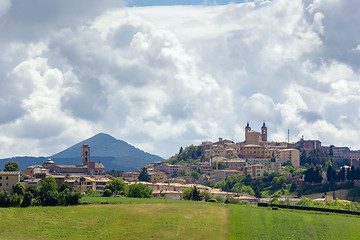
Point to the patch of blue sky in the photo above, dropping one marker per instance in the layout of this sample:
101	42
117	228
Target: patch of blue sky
142	3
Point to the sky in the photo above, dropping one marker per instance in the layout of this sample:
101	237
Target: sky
161	77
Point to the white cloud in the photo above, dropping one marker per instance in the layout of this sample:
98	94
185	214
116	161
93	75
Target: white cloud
357	48
165	77
5	5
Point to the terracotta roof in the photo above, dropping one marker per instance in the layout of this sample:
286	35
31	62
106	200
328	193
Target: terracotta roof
9	173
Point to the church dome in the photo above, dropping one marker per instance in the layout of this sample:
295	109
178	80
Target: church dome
48	162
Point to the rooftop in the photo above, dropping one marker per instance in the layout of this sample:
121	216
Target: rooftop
9	173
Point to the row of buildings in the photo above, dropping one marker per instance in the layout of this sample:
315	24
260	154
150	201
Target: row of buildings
89	176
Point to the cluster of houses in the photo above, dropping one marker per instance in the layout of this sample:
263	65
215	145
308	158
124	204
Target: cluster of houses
254	156
89	176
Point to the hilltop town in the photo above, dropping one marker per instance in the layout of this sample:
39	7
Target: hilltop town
209	166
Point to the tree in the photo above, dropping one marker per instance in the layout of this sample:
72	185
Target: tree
144	176
65	186
181	149
293	187
205	195
33	190
191	193
194	175
186	193
11	167
107	192
139	190
331	151
352	173
27	200
115	185
195	195
18	188
48	186
182	173
313	175
247	189
341	175
330	173
275	183
48	192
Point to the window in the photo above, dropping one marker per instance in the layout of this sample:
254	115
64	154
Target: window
7	177
0	184
0	178
7	184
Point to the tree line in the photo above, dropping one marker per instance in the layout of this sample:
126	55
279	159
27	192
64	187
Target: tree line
116	186
48	194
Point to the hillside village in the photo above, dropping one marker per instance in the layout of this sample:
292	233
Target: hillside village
206	166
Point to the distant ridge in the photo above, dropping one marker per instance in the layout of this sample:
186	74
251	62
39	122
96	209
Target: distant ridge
113	153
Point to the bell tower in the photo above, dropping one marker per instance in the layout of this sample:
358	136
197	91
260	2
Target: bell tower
85	154
247	129
264	132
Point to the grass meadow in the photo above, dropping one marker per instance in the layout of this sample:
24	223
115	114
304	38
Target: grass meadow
116	221
128	218
264	223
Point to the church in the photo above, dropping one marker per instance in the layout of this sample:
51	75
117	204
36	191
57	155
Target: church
87	167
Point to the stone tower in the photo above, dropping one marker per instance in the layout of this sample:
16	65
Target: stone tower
85	154
264	133
247	129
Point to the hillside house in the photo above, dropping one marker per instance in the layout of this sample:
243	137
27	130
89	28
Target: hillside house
8	179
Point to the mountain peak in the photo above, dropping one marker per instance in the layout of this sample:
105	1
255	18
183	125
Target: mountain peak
103	146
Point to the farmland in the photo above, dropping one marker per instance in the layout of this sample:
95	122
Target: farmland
125	218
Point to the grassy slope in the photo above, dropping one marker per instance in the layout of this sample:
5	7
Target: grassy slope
264	223
120	221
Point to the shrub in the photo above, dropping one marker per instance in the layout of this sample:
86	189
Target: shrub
212	200
4	199
107	193
18	188
49	199
275	208
27	200
205	195
234	201
33	190
139	190
186	194
220	198
263	204
244	202
72	198
15	200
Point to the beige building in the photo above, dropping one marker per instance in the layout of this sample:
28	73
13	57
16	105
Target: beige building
292	155
92	183
8	179
223	148
235	163
157	177
34	169
220	175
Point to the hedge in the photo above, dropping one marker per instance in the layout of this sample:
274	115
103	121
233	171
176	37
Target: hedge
309	208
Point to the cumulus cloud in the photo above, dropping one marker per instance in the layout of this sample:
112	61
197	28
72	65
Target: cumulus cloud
5	5
170	76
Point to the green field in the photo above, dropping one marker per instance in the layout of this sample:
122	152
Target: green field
264	223
156	219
